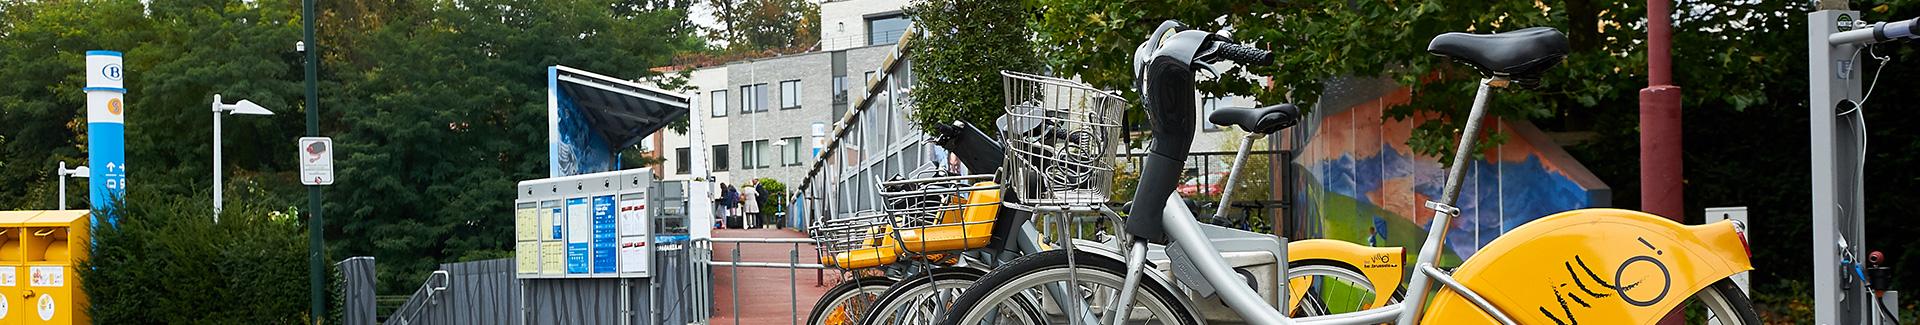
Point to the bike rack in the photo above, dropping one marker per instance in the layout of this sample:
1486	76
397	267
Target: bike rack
1836	39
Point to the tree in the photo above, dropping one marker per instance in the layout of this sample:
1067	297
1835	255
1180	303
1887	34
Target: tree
958	53
440	113
759	25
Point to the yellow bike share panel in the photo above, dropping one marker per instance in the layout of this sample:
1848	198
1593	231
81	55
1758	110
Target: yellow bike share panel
1593	266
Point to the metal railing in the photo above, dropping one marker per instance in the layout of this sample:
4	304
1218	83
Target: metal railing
861	40
733	265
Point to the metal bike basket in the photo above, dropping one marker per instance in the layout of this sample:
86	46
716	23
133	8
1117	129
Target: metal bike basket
1061	139
853	242
937	214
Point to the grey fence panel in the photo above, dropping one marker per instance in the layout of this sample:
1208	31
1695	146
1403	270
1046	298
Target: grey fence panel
480	292
357	283
487	292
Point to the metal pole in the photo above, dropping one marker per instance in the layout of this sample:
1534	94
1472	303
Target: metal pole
793	290
316	244
63	184
216	159
1660	145
736	283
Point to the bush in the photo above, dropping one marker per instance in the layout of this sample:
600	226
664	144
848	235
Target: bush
167	262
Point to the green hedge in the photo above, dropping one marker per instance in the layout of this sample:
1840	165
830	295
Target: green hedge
167	262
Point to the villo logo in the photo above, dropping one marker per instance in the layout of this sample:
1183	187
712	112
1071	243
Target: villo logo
111	71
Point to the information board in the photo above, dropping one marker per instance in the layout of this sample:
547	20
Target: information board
596	225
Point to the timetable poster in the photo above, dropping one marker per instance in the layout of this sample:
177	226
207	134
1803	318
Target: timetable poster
579	235
603	234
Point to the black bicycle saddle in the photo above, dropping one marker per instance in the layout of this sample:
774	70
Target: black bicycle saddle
1521	55
1264	120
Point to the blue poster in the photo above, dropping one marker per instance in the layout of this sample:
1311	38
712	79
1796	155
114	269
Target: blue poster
577	236
574	148
558	221
604	228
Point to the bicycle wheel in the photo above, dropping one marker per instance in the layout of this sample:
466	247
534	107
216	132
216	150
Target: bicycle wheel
1326	289
1720	304
922	297
847	301
1025	290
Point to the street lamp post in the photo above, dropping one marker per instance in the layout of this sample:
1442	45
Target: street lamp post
243	107
81	171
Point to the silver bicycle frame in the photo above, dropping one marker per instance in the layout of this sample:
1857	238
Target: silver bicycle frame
1185	231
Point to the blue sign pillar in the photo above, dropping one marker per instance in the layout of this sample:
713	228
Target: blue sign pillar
106	130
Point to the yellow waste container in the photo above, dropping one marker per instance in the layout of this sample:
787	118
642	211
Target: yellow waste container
53	244
13	308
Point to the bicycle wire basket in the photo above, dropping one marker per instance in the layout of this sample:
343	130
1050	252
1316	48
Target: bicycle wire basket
855	242
941	213
1061	137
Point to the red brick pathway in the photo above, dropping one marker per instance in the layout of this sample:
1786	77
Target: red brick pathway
766	295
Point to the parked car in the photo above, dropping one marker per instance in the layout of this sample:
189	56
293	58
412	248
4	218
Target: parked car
1209	184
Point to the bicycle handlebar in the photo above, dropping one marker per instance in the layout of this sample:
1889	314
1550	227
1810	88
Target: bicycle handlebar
1243	54
1900	29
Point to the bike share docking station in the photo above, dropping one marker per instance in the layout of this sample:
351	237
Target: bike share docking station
1849	283
596	243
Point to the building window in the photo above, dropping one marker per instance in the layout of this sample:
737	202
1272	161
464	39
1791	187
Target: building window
883	30
719	102
790	155
756	154
683	161
720	158
753	98
767	152
839	89
790	94
1207	106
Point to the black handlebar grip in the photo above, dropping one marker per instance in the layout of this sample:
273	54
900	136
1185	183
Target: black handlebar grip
1244	54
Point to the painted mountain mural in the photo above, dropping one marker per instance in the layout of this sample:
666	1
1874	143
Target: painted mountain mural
1364	184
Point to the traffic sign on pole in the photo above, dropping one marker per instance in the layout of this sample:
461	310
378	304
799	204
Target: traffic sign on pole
316	161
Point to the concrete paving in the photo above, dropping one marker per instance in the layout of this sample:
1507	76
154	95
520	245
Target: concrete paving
768	296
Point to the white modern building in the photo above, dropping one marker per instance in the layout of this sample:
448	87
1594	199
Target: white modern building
766	117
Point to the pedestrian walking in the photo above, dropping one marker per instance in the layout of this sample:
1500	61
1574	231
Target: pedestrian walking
731	199
750	205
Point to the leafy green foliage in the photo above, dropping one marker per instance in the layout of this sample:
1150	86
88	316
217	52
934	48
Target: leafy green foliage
958	53
756	25
437	107
447	112
166	254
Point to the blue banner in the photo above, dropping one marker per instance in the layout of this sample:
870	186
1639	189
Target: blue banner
106	131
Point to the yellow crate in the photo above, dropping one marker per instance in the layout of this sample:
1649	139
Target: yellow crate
13	308
53	243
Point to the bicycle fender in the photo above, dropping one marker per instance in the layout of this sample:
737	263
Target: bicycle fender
1592	266
1381	265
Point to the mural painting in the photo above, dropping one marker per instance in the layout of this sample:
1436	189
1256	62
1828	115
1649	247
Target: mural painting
1363	183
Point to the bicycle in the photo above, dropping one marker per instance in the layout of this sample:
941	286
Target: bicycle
1072	181
1055	147
1512	280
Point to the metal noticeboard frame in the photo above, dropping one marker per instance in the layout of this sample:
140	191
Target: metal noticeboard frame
585	211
